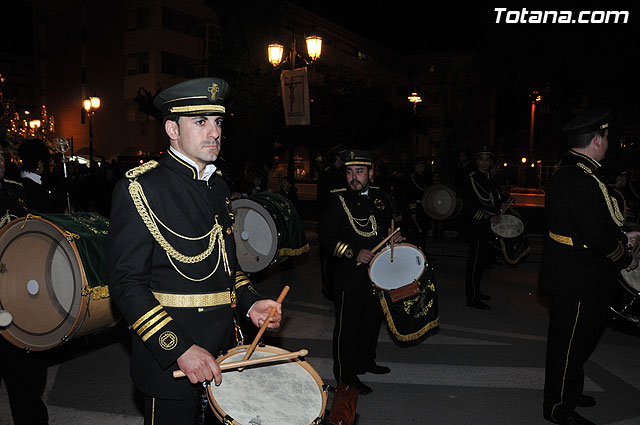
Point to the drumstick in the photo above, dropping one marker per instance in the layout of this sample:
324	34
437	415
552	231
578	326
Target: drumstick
392	241
265	324
384	241
258	360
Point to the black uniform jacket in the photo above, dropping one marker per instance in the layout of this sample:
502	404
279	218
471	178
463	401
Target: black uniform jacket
481	200
578	206
139	267
12	203
337	235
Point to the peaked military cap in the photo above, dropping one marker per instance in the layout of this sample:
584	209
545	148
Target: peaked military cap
485	149
597	119
356	157
200	96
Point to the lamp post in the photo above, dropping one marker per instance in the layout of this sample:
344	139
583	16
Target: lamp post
275	53
91	105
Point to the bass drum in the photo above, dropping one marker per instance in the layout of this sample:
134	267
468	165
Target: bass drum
440	202
267	228
626	299
54	279
287	393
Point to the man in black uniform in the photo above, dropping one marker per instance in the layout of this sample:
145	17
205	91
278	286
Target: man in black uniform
583	254
481	206
418	220
172	257
354	221
24	373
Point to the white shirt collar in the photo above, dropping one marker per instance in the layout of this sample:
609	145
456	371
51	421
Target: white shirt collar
209	169
33	176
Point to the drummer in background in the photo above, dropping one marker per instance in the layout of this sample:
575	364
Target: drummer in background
418	220
481	206
582	257
24	373
332	177
35	156
172	258
353	222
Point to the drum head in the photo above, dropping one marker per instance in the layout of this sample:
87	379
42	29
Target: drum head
632	279
408	265
286	393
509	227
256	235
40	285
439	201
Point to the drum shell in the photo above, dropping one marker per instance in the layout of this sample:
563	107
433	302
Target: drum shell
64	305
440	202
267	228
221	411
626	298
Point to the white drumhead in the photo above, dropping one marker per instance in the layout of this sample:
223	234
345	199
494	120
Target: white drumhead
510	226
282	393
255	233
632	278
408	265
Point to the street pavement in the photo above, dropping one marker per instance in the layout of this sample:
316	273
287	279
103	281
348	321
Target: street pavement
478	367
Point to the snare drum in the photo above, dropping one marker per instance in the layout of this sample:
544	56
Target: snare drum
626	299
267	228
512	238
54	279
440	202
408	264
285	393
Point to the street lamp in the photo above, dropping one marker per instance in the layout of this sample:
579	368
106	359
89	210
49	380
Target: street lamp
91	105
314	49
415	99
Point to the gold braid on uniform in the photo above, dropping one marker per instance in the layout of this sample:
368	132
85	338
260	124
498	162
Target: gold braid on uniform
149	218
486	201
612	204
6	218
356	221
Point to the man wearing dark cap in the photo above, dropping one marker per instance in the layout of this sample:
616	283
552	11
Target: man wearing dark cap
172	257
583	254
354	221
481	206
35	155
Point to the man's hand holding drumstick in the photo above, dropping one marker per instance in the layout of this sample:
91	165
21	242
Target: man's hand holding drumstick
199	365
365	255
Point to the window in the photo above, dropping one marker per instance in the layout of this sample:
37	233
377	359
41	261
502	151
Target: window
136	63
182	66
137	19
182	22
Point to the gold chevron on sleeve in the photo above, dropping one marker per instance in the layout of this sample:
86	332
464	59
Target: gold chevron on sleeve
151	322
156	328
241	280
617	253
146	316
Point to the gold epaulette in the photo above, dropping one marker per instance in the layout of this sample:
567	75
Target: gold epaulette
342	189
141	169
13	181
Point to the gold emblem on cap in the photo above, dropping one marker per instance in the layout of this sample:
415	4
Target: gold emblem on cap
352	154
213	90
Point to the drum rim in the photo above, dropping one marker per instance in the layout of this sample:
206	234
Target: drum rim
83	301
273	250
387	248
221	414
448	189
625	284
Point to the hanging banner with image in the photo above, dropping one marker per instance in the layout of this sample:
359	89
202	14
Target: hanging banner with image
295	96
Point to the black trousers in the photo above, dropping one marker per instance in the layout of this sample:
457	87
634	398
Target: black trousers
25	376
355	335
575	327
481	252
191	411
